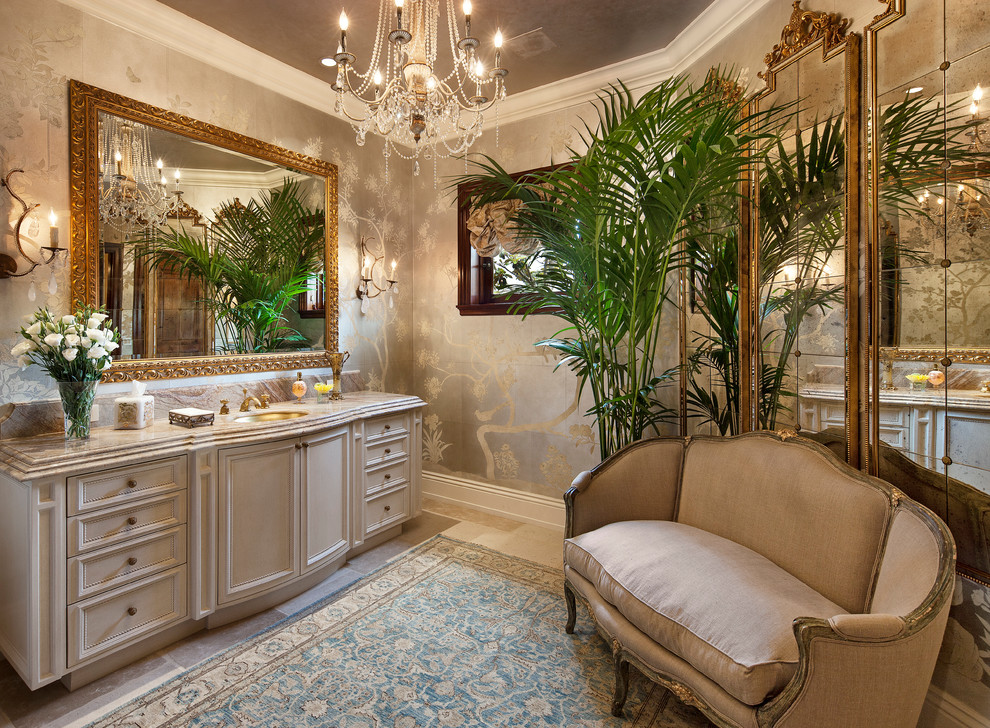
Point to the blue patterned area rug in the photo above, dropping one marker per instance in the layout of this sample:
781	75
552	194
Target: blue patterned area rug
448	634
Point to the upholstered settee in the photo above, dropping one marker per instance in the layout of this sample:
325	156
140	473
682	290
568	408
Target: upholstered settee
760	579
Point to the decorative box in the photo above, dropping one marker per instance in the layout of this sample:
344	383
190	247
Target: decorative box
134	411
190	417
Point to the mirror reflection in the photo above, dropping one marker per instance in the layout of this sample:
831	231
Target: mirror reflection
204	250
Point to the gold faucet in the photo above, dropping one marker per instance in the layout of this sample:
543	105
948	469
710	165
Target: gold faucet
246	404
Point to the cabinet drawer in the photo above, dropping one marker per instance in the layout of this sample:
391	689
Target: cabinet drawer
99	624
384	451
389	476
108	568
385	510
382	427
105	528
110	487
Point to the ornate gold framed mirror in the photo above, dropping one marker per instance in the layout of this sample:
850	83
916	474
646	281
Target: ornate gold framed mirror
801	275
202	259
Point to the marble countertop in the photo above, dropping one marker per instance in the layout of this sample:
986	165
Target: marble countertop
31	458
963	399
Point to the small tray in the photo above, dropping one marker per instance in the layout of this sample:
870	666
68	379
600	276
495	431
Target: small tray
190	417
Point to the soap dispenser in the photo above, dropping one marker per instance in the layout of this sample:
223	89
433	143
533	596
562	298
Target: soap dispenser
299	388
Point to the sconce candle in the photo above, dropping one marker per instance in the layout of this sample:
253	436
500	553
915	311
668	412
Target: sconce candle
53	229
343	32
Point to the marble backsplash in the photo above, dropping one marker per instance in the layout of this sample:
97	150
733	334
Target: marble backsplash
44	417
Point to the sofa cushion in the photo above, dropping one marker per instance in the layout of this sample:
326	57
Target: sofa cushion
719	606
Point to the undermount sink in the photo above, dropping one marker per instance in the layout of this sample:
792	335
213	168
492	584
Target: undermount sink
270	416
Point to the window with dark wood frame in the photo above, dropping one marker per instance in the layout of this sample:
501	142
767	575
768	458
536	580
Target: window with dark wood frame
476	294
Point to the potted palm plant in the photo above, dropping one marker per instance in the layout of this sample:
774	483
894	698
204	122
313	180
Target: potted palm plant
256	259
609	226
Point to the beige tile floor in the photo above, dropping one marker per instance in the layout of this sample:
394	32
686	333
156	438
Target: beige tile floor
55	707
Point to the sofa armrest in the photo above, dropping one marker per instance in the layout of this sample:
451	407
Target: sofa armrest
639	482
859	671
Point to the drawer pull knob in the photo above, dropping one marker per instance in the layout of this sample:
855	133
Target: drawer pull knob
298	446
132	483
132	611
305	444
388	427
388	476
131	521
131	561
388	508
387	451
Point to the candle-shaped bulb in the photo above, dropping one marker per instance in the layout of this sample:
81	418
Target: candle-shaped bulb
479	69
343	20
431	83
117	157
978	93
53	229
974	109
164	181
941	201
378	77
394	263
921	199
160	165
467	8
467	18
343	31
399	4
498	38
177	175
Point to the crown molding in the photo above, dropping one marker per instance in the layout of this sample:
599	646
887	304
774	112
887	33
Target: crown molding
176	31
702	35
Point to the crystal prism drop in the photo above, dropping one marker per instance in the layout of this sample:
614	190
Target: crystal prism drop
416	168
52	283
32	292
391	301
364	305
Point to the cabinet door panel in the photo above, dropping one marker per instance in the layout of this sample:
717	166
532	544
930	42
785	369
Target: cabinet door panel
258	526
325	497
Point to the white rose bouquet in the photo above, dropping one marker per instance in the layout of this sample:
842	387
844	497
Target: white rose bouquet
75	350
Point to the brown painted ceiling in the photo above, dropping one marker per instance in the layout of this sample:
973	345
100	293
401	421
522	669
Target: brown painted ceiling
547	40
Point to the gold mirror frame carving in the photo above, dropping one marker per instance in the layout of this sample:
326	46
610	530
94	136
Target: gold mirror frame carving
85	104
805	30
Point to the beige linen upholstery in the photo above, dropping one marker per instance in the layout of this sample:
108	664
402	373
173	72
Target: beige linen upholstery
757	547
737	630
648	478
777	501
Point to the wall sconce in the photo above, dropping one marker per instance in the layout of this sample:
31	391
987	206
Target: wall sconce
8	265
369	263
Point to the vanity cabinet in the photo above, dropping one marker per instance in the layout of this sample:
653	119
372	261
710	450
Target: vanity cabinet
164	531
283	511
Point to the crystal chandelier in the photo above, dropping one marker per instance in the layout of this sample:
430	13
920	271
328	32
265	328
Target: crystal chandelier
403	97
134	194
968	213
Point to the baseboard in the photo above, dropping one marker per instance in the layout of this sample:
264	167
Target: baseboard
942	710
496	499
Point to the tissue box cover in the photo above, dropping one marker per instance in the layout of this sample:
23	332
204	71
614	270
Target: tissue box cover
133	413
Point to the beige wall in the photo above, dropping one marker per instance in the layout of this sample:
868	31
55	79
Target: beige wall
44	43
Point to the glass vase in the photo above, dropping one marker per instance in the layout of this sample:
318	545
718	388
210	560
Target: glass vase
77	406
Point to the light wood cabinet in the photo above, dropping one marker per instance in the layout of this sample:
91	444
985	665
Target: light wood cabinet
102	562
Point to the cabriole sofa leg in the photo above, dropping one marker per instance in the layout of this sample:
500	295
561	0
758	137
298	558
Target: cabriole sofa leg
571	608
621	679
